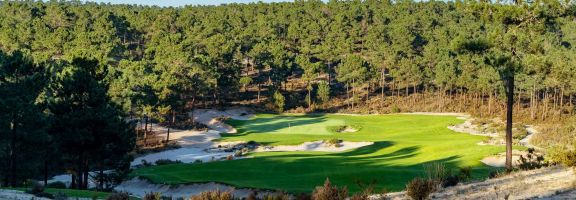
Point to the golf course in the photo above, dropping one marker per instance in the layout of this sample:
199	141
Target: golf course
402	145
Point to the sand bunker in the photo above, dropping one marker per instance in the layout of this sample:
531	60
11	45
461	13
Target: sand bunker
316	146
210	118
347	129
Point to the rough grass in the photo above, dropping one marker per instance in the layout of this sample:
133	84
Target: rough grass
403	144
72	193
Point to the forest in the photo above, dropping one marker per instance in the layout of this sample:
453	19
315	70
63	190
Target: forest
73	71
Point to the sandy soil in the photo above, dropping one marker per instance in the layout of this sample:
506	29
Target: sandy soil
315	146
195	143
500	159
548	183
18	195
139	188
349	129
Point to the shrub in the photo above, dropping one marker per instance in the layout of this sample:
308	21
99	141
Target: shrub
420	189
465	173
44	195
60	196
564	156
329	192
437	172
450	181
395	109
303	196
145	163
167	162
119	196
531	161
57	185
213	195
152	196
278	196
35	188
279	101
252	196
333	142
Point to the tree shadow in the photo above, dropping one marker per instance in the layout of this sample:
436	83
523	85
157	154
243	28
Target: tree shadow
272	123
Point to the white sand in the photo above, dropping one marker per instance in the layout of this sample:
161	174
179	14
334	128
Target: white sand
315	146
547	183
195	143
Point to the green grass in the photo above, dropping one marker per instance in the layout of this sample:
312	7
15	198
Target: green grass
403	144
73	193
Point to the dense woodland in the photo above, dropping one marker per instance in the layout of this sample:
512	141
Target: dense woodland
120	61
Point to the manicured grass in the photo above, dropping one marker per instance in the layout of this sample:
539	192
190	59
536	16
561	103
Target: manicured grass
403	143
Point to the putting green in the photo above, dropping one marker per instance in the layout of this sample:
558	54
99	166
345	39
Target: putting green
402	145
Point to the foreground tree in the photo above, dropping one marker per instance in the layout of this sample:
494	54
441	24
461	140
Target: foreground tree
90	131
22	123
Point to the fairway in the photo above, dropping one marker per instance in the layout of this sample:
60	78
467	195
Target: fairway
402	144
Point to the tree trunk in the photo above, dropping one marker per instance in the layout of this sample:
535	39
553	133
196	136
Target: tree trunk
45	172
348	94
169	125
490	103
86	175
73	181
509	109
258	93
12	153
101	181
532	101
382	84
80	171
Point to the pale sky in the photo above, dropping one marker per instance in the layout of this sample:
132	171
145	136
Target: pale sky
181	2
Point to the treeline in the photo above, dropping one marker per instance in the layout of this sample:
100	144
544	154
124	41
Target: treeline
57	118
164	60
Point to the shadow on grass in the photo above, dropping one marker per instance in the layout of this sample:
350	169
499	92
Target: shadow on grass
272	123
301	171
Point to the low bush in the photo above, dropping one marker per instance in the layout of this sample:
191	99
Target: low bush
303	196
213	195
333	142
420	189
145	163
279	196
35	188
60	196
57	185
118	196
152	196
532	160
437	172
329	192
167	162
44	195
465	173
563	156
395	109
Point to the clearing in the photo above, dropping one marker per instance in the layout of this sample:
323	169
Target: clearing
402	144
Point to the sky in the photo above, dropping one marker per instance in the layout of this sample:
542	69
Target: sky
180	2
